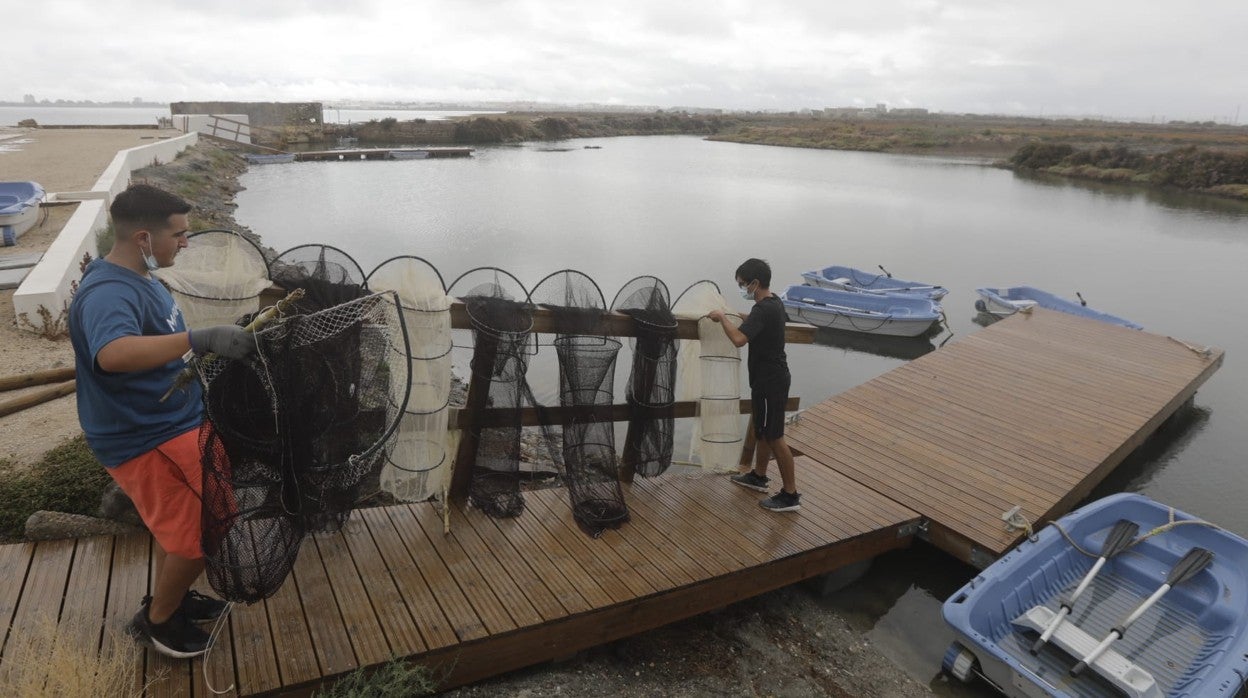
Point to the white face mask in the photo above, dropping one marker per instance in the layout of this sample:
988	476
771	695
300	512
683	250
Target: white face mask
149	260
746	293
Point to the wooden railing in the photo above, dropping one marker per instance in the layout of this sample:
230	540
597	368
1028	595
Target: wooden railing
476	415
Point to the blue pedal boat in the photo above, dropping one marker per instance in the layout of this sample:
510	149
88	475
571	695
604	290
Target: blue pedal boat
851	279
1007	301
1192	642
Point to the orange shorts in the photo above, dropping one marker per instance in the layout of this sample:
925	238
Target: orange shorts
165	485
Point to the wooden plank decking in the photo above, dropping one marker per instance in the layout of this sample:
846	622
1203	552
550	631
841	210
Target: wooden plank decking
493	595
1032	411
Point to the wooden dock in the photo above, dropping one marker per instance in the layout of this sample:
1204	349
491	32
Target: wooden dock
492	596
1031	412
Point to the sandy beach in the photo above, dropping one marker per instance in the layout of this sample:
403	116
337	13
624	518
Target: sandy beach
59	160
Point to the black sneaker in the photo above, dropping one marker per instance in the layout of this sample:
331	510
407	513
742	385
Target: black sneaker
782	501
176	637
197	607
752	480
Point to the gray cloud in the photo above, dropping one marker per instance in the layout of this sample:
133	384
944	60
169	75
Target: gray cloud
1060	57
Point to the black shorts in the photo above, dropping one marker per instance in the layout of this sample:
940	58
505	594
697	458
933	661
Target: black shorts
768	411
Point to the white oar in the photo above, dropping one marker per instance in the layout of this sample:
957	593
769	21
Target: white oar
842	308
1118	539
1192	563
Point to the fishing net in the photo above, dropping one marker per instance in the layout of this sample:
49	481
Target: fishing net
586	387
501	326
291	434
327	275
710	372
652	378
218	278
419	465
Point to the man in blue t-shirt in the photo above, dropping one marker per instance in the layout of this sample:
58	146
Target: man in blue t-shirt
768	366
129	340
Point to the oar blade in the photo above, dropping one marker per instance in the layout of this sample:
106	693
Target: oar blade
1192	563
1120	536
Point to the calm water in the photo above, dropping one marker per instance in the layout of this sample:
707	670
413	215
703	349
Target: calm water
685	209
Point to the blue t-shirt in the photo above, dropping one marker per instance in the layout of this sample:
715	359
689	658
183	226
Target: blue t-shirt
121	413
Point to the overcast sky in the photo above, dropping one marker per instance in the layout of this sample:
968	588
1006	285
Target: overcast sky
1124	58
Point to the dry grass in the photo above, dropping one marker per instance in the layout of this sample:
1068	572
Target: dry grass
45	659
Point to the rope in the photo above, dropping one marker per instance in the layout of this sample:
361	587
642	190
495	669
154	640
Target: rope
1164	528
1203	352
217	627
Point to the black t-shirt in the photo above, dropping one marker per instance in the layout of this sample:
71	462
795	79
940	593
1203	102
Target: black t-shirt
765	329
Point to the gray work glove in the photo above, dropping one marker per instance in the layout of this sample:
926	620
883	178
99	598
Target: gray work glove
230	341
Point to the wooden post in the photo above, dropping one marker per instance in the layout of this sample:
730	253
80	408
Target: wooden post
37	397
747	449
26	380
484	354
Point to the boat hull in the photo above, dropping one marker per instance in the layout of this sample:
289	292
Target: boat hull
1193	642
850	279
894	316
19	209
1007	301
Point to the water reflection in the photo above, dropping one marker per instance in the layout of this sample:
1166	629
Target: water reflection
897	605
984	319
1208	206
905	348
1158	451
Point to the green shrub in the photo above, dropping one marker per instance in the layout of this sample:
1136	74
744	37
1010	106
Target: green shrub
68	478
1037	156
394	678
104	239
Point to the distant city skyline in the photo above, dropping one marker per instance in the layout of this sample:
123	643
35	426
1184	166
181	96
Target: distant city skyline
1106	58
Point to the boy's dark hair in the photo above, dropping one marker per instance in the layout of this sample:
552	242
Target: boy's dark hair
752	269
144	207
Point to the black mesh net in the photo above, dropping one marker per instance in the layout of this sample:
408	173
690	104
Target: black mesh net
327	275
586	387
501	327
652	379
292	433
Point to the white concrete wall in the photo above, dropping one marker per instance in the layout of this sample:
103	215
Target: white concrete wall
204	123
50	283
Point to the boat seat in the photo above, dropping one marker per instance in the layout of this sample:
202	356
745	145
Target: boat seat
1124	674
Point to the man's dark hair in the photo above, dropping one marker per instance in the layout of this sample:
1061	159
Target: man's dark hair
752	269
144	207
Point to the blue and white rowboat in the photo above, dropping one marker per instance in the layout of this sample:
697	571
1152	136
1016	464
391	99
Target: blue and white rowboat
898	316
1007	301
850	279
1191	641
19	209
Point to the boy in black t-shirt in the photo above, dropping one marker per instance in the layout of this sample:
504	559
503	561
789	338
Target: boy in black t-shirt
763	330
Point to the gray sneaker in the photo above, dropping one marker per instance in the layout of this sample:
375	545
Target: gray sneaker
752	480
782	501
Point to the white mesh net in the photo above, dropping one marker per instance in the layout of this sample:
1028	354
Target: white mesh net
217	279
420	462
710	372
